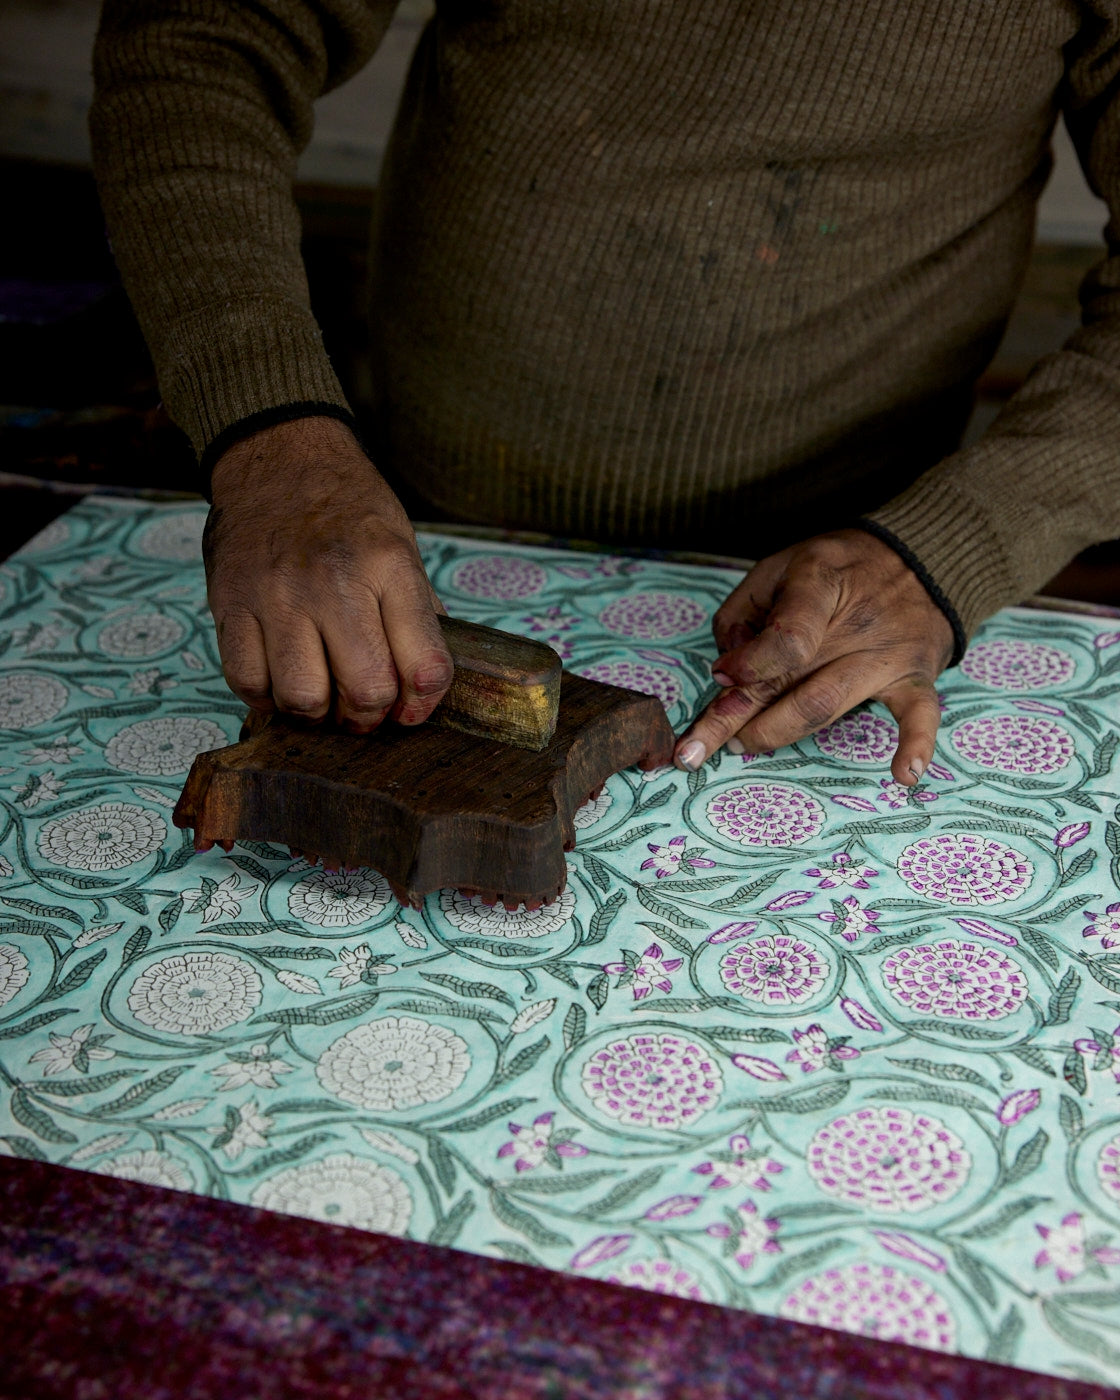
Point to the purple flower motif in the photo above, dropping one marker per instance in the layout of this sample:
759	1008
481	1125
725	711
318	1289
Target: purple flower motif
843	871
552	619
1017	666
875	1300
503	576
661	657
652	617
851	918
635	675
888	1160
1067	1250
968	868
533	1145
659	1276
942	774
766	814
1018	1105
652	1080
1070	835
743	1165
669	859
1108	1168
907	1248
1104	926
956	981
749	1235
673	1208
979	929
1105	1049
895	795
859	1015
789	901
564	649
853	803
602	1248
728	932
1014	744
814	1050
775	969
858	737
757	1067
1106	639
1038	707
645	974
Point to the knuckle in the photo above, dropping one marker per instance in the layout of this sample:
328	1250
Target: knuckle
368	697
302	701
794	645
818	706
431	675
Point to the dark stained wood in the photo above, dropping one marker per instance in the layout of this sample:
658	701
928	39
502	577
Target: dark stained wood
505	687
426	806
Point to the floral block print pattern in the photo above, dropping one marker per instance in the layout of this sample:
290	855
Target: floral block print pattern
794	1039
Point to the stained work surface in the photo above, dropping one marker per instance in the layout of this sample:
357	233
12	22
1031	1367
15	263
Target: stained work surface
792	1040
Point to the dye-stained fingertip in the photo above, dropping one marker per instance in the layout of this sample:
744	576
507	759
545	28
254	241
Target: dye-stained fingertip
690	755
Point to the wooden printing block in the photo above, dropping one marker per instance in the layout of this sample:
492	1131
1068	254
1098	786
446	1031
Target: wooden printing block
428	807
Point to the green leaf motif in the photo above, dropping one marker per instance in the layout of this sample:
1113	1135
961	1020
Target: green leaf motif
446	1231
624	1193
523	1061
524	1223
136	943
470	990
598	989
487	1115
79	975
1060	911
603	917
745	893
282	1155
1088	1343
670	936
70	1088
141	1093
1028	1158
757	1034
1033	1056
34	1023
1005	1339
932	1093
24	1147
959	1074
443	1163
664	910
132	899
25	1111
1071	1117
798	1264
801	1100
324	1015
44	911
575	1026
1062	999
1003	1217
975	1273
171	912
556	1185
637	833
1043	945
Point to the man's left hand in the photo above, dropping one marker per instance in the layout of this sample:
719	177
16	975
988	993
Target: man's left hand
812	632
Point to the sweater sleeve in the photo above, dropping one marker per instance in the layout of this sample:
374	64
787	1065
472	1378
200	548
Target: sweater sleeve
994	521
201	109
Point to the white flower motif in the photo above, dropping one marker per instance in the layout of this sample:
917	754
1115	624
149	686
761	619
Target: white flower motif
472	916
28	699
5	866
592	811
195	993
249	1131
339	899
213	901
107	1142
49	537
60	1055
36	637
178	537
259	1067
660	1276
13	971
653	1081
139	634
59	750
393	1063
160	747
352	963
340	1190
36	788
107	837
151	1167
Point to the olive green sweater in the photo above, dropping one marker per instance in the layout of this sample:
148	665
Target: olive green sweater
716	274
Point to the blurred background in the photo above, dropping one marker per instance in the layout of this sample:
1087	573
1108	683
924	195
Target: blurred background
79	408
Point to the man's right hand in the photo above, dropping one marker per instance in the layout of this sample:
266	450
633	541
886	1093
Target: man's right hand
319	597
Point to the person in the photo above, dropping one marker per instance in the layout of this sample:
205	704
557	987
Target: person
716	275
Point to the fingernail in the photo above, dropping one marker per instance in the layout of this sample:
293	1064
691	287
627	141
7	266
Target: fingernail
917	767
721	678
734	745
691	755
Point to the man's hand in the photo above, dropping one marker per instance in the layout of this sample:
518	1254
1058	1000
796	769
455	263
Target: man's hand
319	597
815	630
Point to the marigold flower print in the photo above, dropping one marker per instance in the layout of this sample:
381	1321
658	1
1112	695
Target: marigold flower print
774	970
1017	666
1014	744
160	747
13	971
341	1190
151	1167
889	1160
195	993
652	617
636	675
470	915
28	699
965	869
766	814
339	898
177	539
660	1276
107	837
499	576
1108	1168
138	635
859	737
956	981
393	1063
875	1300
653	1081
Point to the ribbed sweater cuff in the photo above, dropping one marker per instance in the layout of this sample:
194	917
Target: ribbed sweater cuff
239	360
945	530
